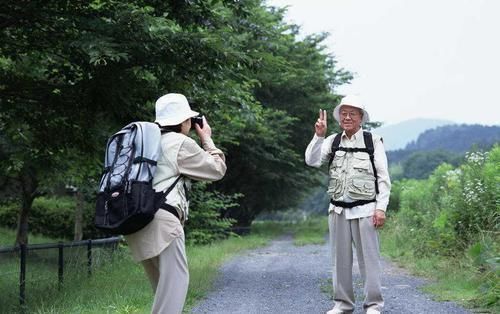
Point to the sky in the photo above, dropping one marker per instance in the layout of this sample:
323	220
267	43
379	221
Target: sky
437	59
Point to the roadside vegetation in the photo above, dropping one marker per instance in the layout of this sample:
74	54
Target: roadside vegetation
446	228
118	285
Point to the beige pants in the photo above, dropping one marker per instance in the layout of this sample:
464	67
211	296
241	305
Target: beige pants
169	277
362	233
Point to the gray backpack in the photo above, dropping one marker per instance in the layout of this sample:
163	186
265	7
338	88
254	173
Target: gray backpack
126	200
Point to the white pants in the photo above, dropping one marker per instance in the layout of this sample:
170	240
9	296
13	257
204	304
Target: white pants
362	233
169	277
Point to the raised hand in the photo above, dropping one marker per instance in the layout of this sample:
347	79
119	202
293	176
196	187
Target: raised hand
320	126
205	132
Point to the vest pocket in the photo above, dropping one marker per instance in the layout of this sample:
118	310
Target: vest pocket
361	188
334	187
361	163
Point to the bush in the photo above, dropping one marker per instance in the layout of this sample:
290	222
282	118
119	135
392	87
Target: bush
50	216
55	216
206	221
455	213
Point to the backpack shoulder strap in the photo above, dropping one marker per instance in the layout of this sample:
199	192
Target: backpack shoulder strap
160	196
368	138
335	147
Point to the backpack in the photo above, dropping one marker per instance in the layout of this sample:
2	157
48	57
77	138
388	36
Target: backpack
369	149
126	201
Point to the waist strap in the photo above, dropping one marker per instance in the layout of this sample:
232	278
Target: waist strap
351	204
171	209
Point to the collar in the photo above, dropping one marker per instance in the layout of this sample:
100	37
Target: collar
355	136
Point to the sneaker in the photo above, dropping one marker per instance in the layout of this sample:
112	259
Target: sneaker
335	311
372	311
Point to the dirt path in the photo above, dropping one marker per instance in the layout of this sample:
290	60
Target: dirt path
283	278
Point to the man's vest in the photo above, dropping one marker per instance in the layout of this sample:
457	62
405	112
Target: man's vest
353	176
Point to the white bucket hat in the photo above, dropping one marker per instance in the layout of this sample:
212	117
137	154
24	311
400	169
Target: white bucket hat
173	109
353	101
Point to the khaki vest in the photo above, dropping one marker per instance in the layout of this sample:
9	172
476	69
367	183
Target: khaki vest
167	172
351	175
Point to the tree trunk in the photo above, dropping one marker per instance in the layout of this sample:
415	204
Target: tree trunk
78	216
29	185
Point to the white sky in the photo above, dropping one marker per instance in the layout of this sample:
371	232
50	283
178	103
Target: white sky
413	58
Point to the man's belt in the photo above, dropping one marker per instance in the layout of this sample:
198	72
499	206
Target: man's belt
351	204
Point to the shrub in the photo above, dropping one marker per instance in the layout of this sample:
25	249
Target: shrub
455	212
206	221
50	216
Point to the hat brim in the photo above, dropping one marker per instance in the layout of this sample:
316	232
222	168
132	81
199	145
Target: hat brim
177	120
336	113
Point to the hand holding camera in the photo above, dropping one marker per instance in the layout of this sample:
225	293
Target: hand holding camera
197	120
201	127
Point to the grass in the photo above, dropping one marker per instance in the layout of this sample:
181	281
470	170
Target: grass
108	290
451	278
118	285
305	232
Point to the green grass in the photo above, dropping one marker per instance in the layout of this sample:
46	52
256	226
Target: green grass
118	285
451	278
310	231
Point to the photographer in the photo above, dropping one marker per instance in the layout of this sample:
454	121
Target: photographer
160	245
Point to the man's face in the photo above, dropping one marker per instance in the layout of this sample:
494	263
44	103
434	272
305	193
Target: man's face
350	119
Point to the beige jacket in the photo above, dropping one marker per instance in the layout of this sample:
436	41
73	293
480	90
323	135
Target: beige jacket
181	155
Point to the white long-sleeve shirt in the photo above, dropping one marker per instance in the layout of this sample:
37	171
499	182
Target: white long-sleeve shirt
318	152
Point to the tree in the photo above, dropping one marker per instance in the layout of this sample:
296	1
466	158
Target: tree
72	73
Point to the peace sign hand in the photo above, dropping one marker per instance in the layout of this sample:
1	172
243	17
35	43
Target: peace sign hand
320	126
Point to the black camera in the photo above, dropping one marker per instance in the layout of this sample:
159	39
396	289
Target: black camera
197	120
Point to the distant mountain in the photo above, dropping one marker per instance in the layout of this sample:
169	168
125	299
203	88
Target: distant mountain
397	136
451	138
457	138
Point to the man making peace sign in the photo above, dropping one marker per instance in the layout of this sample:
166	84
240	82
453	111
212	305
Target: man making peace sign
359	188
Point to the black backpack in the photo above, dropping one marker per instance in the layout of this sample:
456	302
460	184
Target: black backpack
126	200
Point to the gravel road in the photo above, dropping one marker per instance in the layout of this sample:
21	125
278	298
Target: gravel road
284	278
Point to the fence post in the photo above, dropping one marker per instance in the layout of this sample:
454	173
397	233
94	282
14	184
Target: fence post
22	275
89	256
61	264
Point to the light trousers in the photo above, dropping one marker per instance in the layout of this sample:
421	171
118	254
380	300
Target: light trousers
362	233
169	277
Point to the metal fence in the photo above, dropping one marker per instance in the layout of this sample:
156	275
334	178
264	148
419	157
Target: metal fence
22	253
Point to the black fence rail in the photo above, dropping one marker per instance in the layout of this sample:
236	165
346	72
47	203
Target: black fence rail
23	250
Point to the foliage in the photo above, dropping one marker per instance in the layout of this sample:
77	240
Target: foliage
420	164
435	146
50	216
457	138
72	73
205	224
455	213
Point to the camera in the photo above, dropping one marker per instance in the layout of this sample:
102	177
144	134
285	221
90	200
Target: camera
197	120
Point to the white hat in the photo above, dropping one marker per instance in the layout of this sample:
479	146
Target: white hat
353	101
173	109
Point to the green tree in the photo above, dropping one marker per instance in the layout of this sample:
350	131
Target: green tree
72	73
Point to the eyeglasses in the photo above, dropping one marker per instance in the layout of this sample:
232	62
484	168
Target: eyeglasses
352	114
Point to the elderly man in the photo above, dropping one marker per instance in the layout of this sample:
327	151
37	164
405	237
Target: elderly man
359	188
